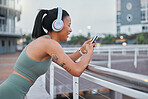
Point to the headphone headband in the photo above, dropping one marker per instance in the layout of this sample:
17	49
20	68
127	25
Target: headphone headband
59	17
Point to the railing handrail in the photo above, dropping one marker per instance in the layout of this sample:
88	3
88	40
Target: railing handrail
122	89
121	46
131	79
113	49
92	71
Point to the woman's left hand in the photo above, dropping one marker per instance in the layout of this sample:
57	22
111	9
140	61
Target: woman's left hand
83	48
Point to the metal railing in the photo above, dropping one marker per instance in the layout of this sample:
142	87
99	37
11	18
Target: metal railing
130	84
132	50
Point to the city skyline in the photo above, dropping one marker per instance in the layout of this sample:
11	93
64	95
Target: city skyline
99	14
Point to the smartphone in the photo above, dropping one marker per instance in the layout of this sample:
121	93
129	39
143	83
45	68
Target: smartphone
94	39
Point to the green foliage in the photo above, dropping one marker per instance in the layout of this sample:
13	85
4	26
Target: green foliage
139	38
80	39
142	38
88	35
109	39
27	39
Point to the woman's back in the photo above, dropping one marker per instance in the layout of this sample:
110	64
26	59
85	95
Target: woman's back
29	67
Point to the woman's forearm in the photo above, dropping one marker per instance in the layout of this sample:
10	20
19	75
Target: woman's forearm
86	59
82	64
75	55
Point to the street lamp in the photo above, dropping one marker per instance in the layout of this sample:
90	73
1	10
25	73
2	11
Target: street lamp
88	27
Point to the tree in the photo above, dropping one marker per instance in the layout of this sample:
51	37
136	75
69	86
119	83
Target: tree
27	39
109	39
142	38
80	39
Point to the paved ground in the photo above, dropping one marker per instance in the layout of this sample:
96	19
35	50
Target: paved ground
123	62
7	62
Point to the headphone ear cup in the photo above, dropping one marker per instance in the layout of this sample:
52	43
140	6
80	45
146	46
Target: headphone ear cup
57	25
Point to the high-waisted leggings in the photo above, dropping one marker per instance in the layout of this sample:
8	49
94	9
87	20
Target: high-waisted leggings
15	87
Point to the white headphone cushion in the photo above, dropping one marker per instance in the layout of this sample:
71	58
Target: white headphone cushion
57	25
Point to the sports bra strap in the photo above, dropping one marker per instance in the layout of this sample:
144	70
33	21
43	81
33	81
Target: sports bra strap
48	36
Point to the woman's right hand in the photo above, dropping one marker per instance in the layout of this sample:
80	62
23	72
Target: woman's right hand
90	47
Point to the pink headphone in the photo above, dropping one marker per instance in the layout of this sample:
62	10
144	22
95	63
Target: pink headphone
58	24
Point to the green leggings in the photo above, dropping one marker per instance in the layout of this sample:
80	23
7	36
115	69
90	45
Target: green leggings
15	87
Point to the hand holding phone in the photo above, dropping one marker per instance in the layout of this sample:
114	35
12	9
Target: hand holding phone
94	39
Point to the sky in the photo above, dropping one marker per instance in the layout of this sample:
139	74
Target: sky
100	15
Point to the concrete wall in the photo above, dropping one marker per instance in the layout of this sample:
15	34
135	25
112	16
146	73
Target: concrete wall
130	8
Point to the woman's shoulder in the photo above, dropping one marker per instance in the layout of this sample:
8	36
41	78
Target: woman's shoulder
44	41
42	45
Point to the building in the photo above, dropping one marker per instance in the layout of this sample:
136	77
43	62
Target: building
132	16
9	14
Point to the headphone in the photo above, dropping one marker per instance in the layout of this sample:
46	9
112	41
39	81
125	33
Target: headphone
58	24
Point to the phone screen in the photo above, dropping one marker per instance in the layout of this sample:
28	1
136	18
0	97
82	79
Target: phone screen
94	39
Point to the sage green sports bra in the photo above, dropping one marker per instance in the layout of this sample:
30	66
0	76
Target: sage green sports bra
30	68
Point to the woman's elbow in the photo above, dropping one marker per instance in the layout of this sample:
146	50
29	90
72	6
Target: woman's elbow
77	73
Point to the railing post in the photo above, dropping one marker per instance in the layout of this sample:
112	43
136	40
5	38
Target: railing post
75	87
109	58
123	51
52	81
115	95
135	58
138	51
98	50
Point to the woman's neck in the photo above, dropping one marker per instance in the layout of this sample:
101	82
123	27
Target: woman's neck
54	36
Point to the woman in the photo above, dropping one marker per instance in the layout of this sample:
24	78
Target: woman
36	57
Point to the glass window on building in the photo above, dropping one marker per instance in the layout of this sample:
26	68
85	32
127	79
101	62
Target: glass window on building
9	43
143	16
0	1
3	43
12	25
147	14
2	24
3	12
118	29
118	18
144	28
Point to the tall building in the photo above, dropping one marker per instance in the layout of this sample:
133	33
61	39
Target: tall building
132	16
9	14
